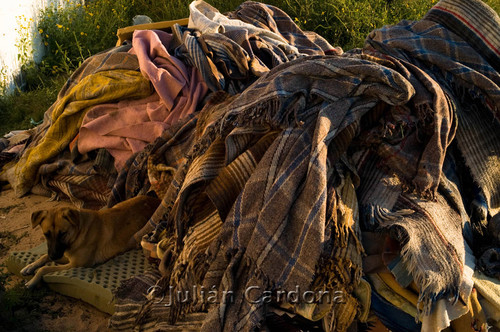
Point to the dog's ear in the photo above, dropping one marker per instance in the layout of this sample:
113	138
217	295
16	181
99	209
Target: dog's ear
72	216
37	217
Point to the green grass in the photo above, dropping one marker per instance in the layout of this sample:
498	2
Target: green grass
494	4
73	33
22	110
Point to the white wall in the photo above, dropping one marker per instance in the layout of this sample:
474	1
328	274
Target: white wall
12	14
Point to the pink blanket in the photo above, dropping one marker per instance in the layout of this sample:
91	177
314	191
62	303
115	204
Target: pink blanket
126	127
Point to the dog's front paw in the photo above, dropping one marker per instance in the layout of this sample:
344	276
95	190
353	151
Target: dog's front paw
28	270
31	283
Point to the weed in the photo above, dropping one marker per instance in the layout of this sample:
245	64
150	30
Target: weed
20	309
17	110
494	4
4	78
76	31
8	239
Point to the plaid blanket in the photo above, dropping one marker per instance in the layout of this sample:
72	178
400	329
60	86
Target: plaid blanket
259	200
454	63
271	18
85	180
457	44
256	178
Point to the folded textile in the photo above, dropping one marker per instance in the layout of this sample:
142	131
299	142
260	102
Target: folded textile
393	318
271	18
128	126
102	78
232	51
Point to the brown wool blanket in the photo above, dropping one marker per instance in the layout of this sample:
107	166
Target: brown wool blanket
275	181
457	44
268	182
457	86
270	158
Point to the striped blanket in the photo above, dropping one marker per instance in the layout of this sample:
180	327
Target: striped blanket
253	190
275	20
266	195
85	180
269	185
453	53
458	45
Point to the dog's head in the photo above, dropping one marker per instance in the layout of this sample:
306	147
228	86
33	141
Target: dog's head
59	226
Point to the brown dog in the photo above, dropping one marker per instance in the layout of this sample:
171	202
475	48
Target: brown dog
87	237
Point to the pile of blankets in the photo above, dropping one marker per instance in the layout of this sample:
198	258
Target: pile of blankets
289	170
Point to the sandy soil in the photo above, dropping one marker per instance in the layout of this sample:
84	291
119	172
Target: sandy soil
54	311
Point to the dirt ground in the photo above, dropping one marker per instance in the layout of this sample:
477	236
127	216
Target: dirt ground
41	309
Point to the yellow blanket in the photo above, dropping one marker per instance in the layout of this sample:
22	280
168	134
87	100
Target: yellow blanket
67	115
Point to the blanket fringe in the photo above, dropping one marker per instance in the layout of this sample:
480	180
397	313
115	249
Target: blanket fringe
428	293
